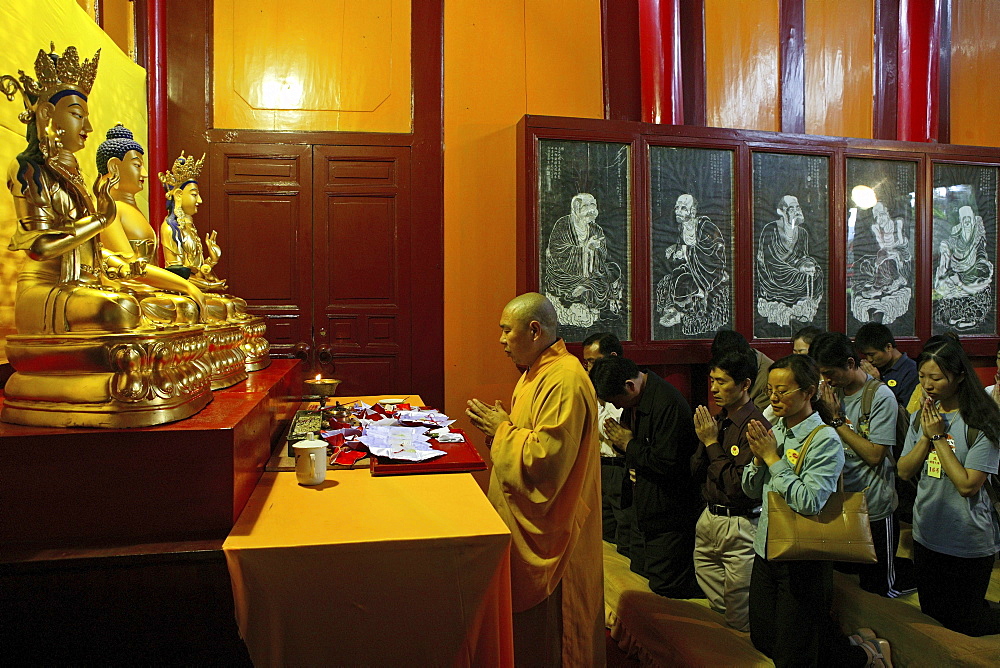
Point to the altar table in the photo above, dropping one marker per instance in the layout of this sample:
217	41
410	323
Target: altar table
362	570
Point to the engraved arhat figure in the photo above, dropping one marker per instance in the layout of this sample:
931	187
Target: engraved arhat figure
579	279
694	291
789	280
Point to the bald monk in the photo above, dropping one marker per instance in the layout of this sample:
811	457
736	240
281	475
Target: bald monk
546	486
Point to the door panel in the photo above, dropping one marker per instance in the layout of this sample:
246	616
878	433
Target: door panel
263	212
362	218
265	197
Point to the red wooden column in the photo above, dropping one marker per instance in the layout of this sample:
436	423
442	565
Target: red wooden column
662	99
918	94
157	159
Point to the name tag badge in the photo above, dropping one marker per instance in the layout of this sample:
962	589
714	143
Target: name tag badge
864	430
792	456
735	450
933	465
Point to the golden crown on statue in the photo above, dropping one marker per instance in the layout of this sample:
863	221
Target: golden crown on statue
54	73
186	168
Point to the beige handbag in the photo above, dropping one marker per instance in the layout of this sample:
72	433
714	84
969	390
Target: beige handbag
840	532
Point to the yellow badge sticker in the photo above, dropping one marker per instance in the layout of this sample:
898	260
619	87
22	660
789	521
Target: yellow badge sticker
933	465
735	450
793	456
891	382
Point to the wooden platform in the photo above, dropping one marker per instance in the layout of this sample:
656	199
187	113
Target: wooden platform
180	481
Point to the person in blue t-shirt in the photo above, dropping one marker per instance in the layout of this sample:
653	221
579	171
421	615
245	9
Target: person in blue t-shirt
868	441
953	445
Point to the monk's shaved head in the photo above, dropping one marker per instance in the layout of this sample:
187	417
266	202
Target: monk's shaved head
528	326
533	306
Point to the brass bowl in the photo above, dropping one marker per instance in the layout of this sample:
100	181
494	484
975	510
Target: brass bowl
324	387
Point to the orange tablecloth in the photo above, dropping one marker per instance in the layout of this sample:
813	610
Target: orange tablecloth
375	571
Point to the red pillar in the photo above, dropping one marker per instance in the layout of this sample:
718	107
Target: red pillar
918	95
157	159
660	61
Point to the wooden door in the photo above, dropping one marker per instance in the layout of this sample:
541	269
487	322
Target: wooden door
263	213
328	234
361	298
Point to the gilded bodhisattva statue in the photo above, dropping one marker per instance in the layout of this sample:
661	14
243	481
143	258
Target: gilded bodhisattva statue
85	354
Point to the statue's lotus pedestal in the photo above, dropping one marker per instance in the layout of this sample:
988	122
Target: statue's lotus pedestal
256	349
179	481
132	379
226	359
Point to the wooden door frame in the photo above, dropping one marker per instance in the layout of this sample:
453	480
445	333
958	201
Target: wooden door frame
186	112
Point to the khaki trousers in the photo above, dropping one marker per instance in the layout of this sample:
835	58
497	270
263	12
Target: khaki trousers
723	561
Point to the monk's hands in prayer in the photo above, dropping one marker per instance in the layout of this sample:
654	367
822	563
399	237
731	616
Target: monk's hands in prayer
705	426
931	420
763	445
829	398
486	418
870	369
617	434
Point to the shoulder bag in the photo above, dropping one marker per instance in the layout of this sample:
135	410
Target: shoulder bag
841	531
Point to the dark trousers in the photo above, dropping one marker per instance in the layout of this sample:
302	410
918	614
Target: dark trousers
790	615
952	590
612	515
881	577
666	559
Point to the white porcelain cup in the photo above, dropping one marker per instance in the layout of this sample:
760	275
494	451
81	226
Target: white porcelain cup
310	462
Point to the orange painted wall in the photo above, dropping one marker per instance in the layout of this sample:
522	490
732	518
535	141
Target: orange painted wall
975	61
839	50
503	59
741	64
332	65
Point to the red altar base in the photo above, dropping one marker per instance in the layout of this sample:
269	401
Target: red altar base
180	481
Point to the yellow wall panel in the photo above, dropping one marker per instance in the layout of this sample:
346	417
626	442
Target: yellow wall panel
838	67
502	59
561	68
119	94
335	65
975	61
741	64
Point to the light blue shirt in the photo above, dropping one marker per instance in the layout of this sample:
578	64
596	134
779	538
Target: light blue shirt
944	520
807	492
878	483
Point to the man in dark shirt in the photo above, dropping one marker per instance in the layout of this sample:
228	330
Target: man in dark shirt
657	436
885	362
723	551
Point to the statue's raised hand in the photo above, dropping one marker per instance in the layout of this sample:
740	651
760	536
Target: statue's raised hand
106	206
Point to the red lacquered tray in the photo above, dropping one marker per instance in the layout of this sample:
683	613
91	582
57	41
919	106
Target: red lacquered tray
461	457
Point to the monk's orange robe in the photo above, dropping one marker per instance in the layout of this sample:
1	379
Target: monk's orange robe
546	486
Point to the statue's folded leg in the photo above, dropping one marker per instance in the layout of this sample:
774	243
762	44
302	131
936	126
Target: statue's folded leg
96	310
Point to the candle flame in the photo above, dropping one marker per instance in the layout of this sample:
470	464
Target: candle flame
318	376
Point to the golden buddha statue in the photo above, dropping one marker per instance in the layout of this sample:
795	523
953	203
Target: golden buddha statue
130	239
84	354
164	296
185	255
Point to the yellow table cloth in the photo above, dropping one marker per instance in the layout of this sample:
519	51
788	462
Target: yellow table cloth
401	570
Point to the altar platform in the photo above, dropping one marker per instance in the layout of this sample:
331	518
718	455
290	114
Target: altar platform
186	480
